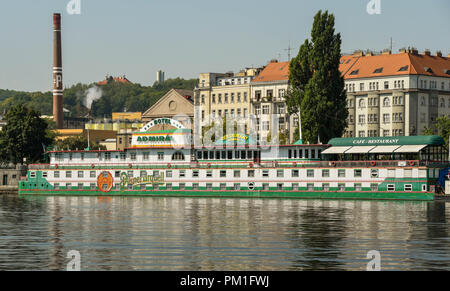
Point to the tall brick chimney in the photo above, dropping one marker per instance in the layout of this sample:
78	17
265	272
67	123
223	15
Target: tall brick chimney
58	116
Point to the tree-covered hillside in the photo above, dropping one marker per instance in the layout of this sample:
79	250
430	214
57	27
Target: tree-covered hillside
112	97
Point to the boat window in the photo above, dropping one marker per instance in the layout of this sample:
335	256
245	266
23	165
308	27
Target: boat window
295	173
251	173
309	173
211	155
243	155
391	187
358	173
289	154
178	156
195	173
265	173
407	187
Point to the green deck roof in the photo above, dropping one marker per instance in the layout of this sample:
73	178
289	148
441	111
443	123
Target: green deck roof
389	140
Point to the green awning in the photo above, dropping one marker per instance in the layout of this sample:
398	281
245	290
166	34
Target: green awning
390	140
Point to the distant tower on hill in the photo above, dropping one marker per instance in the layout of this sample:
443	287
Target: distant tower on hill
160	77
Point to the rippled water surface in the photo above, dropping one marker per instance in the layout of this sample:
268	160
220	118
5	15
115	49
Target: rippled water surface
124	233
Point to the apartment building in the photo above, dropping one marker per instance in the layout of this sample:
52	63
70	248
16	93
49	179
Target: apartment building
224	95
395	94
267	100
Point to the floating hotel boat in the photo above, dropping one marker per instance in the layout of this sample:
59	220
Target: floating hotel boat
163	163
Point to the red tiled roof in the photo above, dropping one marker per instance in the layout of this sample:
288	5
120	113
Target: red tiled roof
354	67
274	71
114	79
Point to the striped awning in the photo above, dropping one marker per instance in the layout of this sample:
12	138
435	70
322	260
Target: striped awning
384	149
359	150
410	148
335	150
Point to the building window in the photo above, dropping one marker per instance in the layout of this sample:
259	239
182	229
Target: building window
133	156
265	109
386	85
362	103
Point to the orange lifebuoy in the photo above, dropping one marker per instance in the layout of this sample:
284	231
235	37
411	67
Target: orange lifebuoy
372	163
294	164
168	165
250	165
209	165
92	166
333	164
411	163
130	165
56	166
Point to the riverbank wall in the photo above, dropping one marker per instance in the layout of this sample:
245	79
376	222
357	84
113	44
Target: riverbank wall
10	176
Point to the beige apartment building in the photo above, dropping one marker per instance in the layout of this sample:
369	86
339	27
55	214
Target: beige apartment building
220	95
395	94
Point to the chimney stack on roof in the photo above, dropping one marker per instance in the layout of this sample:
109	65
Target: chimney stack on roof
386	52
427	52
369	53
358	53
402	50
439	54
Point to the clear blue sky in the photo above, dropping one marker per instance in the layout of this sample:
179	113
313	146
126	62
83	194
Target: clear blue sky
187	37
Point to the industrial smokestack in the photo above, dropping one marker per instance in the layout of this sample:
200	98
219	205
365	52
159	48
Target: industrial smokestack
58	116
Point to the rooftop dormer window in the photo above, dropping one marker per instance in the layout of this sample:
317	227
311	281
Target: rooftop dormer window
428	70
355	72
404	68
377	71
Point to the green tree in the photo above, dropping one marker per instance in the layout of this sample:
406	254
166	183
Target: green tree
441	127
78	143
24	136
317	86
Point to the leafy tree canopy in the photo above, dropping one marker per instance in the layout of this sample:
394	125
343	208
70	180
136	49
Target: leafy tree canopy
441	127
77	143
24	136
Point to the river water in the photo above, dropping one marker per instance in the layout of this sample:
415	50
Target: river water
126	233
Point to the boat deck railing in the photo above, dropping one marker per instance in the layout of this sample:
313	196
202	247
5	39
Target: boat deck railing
246	165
